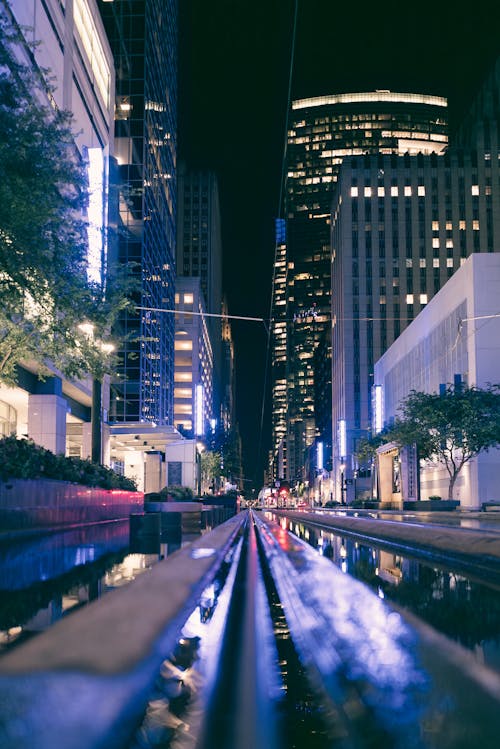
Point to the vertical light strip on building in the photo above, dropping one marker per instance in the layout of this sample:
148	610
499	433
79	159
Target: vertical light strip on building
378	418
198	408
319	456
95	215
342	438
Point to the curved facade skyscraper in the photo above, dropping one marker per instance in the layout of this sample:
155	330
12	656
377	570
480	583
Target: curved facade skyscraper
322	132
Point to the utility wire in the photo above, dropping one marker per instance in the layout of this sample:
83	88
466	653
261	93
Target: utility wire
204	314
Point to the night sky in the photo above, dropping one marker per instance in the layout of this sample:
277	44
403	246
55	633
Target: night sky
234	58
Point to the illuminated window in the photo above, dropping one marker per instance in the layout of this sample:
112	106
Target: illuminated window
381	192
184	408
177	298
449	242
368	192
183	393
407	191
354	192
435	262
423	262
183	376
475	189
394	191
462	225
421	190
435	242
475	225
183	345
423	298
435	226
449	262
188	298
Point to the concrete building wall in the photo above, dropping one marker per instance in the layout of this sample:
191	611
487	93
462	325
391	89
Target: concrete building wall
457	333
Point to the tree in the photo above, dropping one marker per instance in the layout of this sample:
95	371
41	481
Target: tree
210	467
43	231
452	427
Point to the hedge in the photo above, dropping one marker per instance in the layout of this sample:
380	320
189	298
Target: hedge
22	459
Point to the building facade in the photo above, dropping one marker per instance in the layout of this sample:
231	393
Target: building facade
323	131
401	226
455	338
143	38
67	48
194	364
199	254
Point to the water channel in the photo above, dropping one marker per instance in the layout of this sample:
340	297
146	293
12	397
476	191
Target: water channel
457	606
45	577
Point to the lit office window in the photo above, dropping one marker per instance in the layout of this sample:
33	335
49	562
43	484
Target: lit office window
183	345
354	192
183	393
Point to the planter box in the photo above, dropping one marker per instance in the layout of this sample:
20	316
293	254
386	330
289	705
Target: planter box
42	503
432	505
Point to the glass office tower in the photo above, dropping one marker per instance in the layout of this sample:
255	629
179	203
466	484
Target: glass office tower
324	130
143	37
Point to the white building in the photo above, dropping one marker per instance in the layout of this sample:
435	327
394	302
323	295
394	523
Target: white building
457	333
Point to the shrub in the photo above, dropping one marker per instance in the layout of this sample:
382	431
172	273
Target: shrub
22	459
177	494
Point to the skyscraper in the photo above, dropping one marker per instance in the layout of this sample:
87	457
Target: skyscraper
323	131
199	253
143	38
401	226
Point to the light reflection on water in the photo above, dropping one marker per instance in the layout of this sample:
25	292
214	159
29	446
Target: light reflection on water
454	605
44	578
